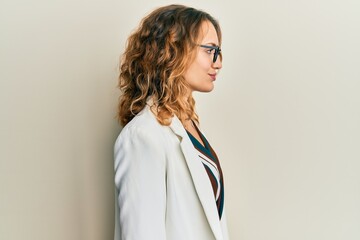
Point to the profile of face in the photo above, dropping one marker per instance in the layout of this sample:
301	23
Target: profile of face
201	73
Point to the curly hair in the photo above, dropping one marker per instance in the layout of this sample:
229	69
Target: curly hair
156	57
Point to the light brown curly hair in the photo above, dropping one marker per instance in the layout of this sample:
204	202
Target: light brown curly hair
156	57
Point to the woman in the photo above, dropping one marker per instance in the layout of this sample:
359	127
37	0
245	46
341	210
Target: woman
168	178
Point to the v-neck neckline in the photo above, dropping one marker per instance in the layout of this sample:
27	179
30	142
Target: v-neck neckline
203	139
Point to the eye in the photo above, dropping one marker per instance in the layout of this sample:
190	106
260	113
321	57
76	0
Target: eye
210	50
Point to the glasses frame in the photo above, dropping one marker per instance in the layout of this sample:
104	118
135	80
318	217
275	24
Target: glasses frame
216	53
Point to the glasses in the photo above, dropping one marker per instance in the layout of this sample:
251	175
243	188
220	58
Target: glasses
216	53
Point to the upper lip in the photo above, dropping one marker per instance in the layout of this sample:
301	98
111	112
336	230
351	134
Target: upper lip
212	74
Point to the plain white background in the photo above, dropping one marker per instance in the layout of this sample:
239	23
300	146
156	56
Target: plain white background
283	118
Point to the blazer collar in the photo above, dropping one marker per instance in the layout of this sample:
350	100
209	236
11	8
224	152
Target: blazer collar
199	176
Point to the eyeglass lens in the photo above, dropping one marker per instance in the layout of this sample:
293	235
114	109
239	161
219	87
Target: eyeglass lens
217	51
216	54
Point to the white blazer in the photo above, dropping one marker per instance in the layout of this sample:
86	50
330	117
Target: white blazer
162	191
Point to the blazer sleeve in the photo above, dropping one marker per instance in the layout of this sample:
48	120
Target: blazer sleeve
140	179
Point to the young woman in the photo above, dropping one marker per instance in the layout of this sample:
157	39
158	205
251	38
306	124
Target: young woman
168	178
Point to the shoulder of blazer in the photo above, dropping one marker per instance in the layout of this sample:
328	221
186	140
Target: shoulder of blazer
140	134
143	124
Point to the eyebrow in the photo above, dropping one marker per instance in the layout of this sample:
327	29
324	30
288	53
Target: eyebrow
211	43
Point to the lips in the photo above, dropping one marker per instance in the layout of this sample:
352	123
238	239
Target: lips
212	76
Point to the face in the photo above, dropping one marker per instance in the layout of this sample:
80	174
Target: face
201	73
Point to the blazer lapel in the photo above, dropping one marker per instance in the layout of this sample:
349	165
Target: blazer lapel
200	178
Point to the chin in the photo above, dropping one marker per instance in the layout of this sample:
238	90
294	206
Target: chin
204	87
207	89
211	87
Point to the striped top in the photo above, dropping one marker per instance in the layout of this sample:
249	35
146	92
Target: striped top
212	166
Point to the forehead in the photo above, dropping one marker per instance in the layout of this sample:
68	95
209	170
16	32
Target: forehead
208	34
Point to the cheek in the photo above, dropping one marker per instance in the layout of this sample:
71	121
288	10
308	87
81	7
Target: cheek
203	63
200	67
